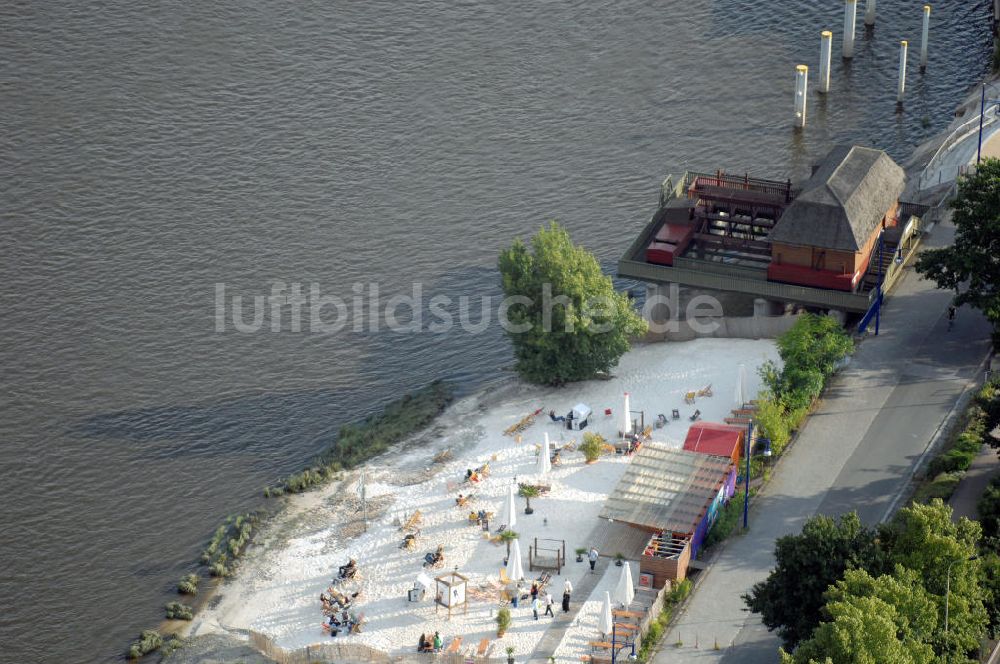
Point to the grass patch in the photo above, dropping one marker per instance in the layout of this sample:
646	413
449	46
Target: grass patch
356	443
188	585
148	641
941	487
170	645
178	611
656	628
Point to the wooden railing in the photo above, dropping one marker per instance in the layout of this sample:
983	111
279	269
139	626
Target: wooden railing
742	182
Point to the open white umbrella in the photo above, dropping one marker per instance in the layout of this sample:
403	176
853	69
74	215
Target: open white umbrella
515	570
544	464
741	387
604	620
627	426
508	515
624	591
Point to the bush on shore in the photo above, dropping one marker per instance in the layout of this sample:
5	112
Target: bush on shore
356	443
228	543
148	641
179	611
188	585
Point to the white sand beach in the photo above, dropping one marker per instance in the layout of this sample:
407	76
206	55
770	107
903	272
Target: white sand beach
276	591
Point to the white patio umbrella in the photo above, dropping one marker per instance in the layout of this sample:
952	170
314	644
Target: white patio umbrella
515	570
508	515
544	464
627	426
624	591
741	387
604	619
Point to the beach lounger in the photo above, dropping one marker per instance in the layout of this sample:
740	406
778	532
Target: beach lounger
689	397
483	648
675	413
695	416
413	521
705	391
456	643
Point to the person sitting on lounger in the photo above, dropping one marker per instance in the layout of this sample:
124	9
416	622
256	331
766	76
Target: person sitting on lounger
349	570
556	418
423	645
432	559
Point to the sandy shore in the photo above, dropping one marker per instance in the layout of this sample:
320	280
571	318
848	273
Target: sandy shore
276	591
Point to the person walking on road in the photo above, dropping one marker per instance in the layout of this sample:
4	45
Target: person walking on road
567	591
534	607
592	557
548	604
951	315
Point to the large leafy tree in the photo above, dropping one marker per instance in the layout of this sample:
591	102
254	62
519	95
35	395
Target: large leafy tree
873	619
567	322
924	538
790	600
971	266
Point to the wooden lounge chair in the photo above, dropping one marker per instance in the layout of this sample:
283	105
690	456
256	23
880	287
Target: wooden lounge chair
621	613
689	397
705	391
483	648
456	643
413	521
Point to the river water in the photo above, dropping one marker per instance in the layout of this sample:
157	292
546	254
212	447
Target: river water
153	150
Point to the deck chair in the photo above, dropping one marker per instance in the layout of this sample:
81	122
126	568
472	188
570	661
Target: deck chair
456	643
695	416
705	391
675	413
689	397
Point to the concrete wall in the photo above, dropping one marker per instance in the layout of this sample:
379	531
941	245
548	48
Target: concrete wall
343	651
754	327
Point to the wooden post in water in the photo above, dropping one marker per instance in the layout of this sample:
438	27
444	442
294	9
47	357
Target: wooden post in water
870	12
801	84
923	37
825	54
902	72
850	18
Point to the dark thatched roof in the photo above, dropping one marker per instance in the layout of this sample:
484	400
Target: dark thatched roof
843	202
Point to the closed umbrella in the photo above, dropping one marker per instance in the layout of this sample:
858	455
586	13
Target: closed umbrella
544	464
627	426
604	620
741	387
515	570
624	591
508	515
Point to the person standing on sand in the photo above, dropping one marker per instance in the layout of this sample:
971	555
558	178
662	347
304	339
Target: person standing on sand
548	604
592	557
437	642
534	606
567	591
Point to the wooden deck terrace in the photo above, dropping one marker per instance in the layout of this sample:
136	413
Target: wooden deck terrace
724	185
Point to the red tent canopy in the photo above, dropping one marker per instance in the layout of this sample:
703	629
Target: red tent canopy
716	439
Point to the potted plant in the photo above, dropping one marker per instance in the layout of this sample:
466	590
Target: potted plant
592	446
579	553
619	559
528	491
506	537
503	621
510	654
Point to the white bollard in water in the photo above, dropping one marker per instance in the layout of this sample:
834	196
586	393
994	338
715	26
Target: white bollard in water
801	84
850	17
902	72
825	54
870	12
923	37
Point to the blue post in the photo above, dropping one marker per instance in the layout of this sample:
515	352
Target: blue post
614	641
982	112
746	495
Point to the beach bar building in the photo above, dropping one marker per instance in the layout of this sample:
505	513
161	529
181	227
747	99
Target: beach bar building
825	243
716	439
670	498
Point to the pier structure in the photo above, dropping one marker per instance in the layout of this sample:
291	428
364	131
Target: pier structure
825	56
850	18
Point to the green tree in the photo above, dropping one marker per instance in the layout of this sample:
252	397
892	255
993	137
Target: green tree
567	323
969	266
791	598
810	351
924	538
862	630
